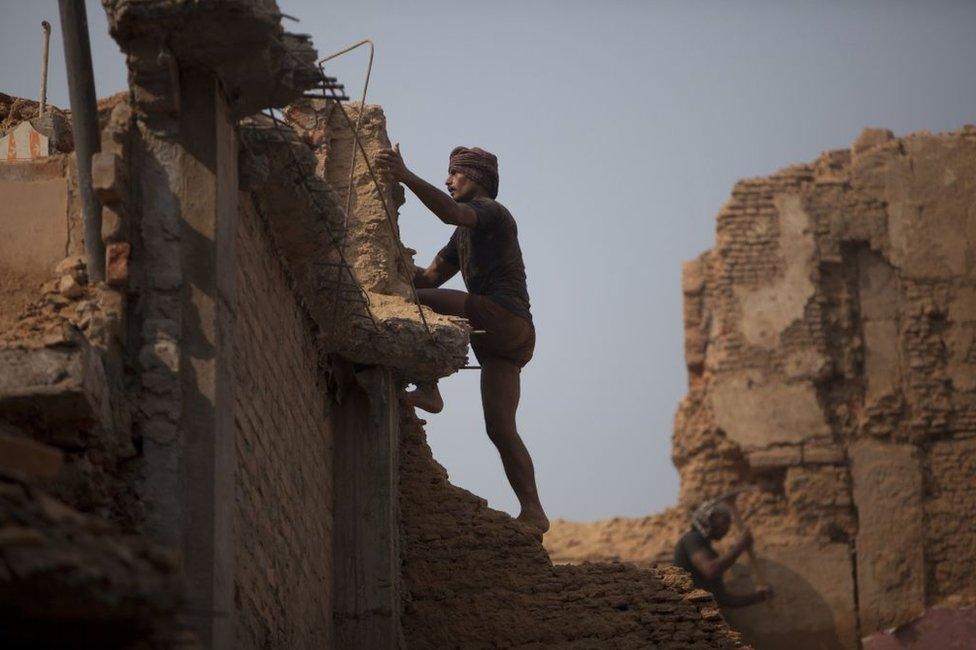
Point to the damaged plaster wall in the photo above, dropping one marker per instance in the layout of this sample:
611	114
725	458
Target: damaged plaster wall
829	339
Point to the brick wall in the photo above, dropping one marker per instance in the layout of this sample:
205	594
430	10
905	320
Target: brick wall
950	527
284	518
831	353
475	578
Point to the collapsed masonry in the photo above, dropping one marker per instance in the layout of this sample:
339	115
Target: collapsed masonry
207	449
830	340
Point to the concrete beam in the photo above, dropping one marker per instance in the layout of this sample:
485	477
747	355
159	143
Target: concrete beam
208	197
366	544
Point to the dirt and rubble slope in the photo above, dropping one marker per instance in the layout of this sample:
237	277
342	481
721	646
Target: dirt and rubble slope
474	577
830	340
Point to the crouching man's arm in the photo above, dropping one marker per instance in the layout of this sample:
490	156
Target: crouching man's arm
725	599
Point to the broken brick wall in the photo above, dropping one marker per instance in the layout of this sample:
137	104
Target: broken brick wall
60	373
474	577
77	565
829	339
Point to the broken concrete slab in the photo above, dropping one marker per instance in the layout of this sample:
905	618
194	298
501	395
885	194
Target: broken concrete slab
61	391
242	42
307	224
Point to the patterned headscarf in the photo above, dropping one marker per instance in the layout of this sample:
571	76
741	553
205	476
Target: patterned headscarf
702	519
477	164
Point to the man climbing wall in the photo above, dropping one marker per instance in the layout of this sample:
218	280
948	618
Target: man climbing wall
485	248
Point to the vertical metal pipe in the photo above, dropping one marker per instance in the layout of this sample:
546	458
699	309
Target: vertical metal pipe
46	27
84	119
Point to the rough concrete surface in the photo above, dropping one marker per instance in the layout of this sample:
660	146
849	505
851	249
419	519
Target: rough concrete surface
940	627
829	344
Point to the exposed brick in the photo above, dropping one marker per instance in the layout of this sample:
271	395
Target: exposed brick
117	263
107	176
112	223
283	525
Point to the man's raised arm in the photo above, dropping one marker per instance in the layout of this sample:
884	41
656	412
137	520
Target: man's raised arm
390	162
713	567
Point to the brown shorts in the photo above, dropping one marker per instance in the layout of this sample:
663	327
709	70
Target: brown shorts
506	336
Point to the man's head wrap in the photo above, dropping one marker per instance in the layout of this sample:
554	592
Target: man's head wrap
702	519
477	164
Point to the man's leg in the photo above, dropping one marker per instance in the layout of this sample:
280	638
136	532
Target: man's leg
449	302
443	301
500	391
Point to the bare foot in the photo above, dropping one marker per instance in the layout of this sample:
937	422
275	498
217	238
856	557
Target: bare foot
426	397
535	518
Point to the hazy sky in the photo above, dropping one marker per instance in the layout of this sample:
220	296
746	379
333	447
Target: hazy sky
620	128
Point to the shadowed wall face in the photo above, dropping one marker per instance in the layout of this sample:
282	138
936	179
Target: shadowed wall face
283	525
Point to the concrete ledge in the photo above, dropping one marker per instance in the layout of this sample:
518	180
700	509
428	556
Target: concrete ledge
61	391
305	222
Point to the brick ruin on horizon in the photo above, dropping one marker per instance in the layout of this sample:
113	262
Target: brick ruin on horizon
830	340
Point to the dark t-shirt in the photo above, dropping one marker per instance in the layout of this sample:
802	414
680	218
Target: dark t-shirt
490	258
688	545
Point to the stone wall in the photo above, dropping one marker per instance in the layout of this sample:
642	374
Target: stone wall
283	524
829	340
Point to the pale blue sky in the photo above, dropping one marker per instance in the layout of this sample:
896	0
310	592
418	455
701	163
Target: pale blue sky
620	128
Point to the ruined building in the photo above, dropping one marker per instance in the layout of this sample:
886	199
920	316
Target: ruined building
830	340
207	449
